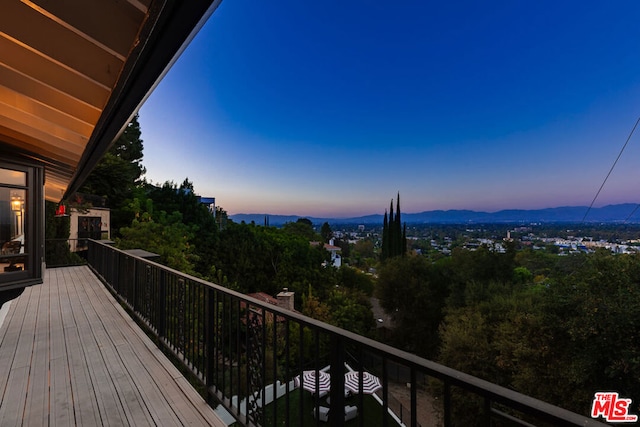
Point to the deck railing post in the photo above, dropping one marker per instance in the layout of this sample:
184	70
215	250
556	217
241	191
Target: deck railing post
114	270
336	412
414	399
385	393
447	404
209	341
134	287
161	307
487	411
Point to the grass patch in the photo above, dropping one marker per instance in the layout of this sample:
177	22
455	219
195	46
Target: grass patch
371	411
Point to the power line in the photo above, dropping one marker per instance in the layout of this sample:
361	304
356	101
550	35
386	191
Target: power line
611	170
631	214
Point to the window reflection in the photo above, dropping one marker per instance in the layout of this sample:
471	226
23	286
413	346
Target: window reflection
13	252
13	177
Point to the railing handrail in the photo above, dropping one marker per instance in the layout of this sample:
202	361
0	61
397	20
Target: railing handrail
496	393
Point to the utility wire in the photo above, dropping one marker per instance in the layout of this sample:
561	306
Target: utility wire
631	214
611	170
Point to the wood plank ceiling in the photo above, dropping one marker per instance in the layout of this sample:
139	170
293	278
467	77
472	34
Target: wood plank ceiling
62	63
59	63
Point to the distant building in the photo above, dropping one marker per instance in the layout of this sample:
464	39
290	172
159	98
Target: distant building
336	258
209	202
92	223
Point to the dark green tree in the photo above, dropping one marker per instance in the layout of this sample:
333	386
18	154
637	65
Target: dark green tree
303	227
267	259
385	238
413	291
352	278
326	232
399	243
166	235
351	310
170	210
394	235
363	255
117	175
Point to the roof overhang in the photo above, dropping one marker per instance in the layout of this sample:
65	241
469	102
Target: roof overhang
74	72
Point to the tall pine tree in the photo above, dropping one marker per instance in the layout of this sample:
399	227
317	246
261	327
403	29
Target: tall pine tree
391	232
385	237
118	174
399	242
394	234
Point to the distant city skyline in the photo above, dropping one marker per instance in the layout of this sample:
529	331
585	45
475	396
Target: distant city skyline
329	109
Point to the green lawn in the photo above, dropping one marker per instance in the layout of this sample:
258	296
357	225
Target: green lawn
372	411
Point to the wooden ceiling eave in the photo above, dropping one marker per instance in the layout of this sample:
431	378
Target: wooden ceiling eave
59	64
50	39
58	173
28	146
74	72
16	101
168	29
110	25
21	60
36	126
43	93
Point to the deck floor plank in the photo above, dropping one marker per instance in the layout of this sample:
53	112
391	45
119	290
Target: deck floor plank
37	406
14	400
106	332
86	408
150	373
61	394
71	355
106	379
8	347
154	382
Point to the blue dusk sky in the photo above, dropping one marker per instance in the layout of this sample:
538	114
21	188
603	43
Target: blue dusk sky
330	108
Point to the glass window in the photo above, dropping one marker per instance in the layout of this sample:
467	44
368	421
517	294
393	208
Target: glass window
13	177
19	224
89	227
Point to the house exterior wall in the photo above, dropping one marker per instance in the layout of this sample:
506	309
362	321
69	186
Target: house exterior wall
77	215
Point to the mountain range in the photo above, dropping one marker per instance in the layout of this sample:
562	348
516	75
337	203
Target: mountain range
571	214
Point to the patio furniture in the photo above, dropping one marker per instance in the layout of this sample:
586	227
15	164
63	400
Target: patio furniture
350	412
11	247
347	393
370	383
322	394
322	413
308	381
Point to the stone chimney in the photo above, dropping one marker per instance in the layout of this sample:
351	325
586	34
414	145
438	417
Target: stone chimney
285	299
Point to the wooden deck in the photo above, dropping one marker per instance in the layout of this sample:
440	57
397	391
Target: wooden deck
70	355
